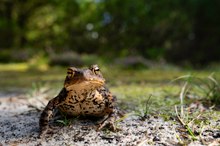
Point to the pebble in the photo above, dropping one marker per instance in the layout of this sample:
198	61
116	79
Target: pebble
216	134
156	138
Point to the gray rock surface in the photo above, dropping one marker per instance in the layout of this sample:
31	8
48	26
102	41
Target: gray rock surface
19	126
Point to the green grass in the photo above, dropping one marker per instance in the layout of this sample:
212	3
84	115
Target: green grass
20	76
194	119
130	86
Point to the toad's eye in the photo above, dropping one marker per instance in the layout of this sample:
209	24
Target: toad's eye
70	72
95	69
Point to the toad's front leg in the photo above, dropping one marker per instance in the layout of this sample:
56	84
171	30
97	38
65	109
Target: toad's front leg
47	113
109	122
45	117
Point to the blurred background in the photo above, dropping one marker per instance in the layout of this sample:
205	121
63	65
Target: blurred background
144	42
181	32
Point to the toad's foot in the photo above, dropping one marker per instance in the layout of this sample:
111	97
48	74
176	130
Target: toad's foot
109	122
43	131
47	130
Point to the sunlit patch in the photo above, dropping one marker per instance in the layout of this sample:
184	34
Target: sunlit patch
14	67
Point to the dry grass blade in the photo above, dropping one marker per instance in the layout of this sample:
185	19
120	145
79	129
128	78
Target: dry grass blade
143	142
181	77
189	130
124	117
179	118
214	80
182	94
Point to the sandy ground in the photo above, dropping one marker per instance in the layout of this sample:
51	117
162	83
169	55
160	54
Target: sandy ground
19	126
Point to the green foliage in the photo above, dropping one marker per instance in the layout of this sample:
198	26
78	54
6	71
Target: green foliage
65	121
169	29
144	108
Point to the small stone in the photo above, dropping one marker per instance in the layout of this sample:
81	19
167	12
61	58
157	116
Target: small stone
156	138
216	134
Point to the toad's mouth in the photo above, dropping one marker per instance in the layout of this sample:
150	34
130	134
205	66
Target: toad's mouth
86	85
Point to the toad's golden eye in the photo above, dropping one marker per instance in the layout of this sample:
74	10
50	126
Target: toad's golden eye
95	69
70	72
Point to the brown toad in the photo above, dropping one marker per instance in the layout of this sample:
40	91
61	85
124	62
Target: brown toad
83	94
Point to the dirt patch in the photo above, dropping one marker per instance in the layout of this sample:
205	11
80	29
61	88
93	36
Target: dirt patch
19	126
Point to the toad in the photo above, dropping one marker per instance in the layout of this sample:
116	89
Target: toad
84	94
